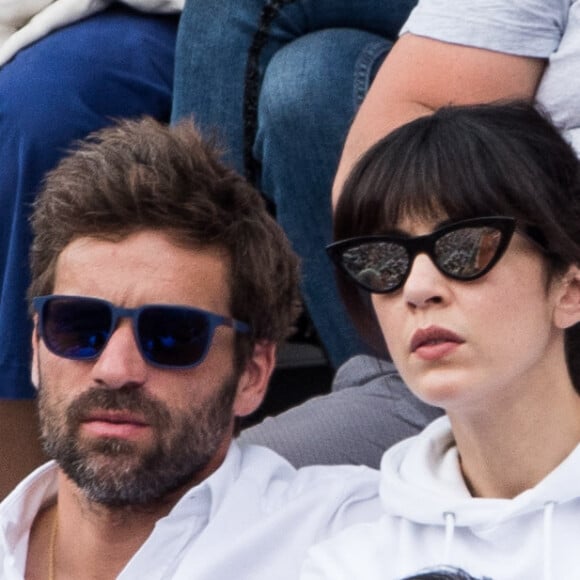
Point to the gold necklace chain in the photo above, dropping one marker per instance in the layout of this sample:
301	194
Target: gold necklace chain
52	545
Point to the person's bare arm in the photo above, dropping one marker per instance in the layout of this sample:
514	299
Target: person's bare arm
20	450
420	75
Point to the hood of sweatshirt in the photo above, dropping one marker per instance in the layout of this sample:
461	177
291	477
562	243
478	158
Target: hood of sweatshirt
421	482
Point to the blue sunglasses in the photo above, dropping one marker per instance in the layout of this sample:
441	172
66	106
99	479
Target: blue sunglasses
78	328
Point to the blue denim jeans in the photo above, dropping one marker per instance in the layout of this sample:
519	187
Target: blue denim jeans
279	83
118	63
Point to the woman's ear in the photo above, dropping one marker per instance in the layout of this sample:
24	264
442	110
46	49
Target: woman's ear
567	309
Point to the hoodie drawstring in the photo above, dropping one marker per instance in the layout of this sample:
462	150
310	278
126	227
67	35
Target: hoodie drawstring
548	519
449	532
450	519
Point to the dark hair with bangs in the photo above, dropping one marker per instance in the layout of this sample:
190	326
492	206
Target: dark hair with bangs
464	162
143	175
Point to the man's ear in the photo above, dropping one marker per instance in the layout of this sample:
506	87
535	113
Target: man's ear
567	309
34	372
253	382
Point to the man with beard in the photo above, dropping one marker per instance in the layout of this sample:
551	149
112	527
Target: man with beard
160	290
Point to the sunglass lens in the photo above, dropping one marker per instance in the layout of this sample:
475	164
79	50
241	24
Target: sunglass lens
173	337
377	266
467	252
76	328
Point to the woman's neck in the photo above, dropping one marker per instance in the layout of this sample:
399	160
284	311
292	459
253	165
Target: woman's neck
510	447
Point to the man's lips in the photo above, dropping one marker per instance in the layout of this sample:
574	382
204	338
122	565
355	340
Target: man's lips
115	417
114	423
434	342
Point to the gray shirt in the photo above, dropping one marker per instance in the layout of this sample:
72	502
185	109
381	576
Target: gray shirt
547	29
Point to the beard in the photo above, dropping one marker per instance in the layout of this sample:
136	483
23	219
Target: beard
120	473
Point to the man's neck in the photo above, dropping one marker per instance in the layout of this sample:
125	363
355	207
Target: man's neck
77	538
89	540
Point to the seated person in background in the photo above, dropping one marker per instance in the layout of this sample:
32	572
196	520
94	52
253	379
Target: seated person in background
279	82
473	51
161	287
280	90
450	52
73	80
493	486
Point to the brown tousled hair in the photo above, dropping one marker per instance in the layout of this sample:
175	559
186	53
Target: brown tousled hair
144	175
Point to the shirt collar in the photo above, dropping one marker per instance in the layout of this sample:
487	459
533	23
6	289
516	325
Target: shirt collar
39	489
206	497
19	509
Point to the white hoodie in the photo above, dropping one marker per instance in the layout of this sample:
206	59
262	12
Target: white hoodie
430	520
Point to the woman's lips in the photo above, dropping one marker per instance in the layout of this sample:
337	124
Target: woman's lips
434	342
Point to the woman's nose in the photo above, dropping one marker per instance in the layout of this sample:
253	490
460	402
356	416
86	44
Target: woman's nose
425	284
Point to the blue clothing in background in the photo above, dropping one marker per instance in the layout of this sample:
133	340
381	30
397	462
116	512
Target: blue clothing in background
118	63
279	83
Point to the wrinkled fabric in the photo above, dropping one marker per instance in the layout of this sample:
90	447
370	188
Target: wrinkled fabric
23	22
430	520
252	519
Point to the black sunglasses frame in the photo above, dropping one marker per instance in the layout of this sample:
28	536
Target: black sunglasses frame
116	313
425	244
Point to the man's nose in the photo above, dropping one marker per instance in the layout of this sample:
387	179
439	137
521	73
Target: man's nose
121	363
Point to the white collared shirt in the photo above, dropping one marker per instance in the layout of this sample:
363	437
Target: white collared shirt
255	517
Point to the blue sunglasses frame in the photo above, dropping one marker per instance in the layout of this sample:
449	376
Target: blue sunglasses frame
42	304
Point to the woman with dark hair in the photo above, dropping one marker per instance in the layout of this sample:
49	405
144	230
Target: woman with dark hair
458	243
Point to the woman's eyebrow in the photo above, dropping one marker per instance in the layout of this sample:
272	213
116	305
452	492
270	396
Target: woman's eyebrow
396	231
446	222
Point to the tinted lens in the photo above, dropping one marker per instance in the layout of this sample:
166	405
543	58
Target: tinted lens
465	253
76	328
172	336
378	266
